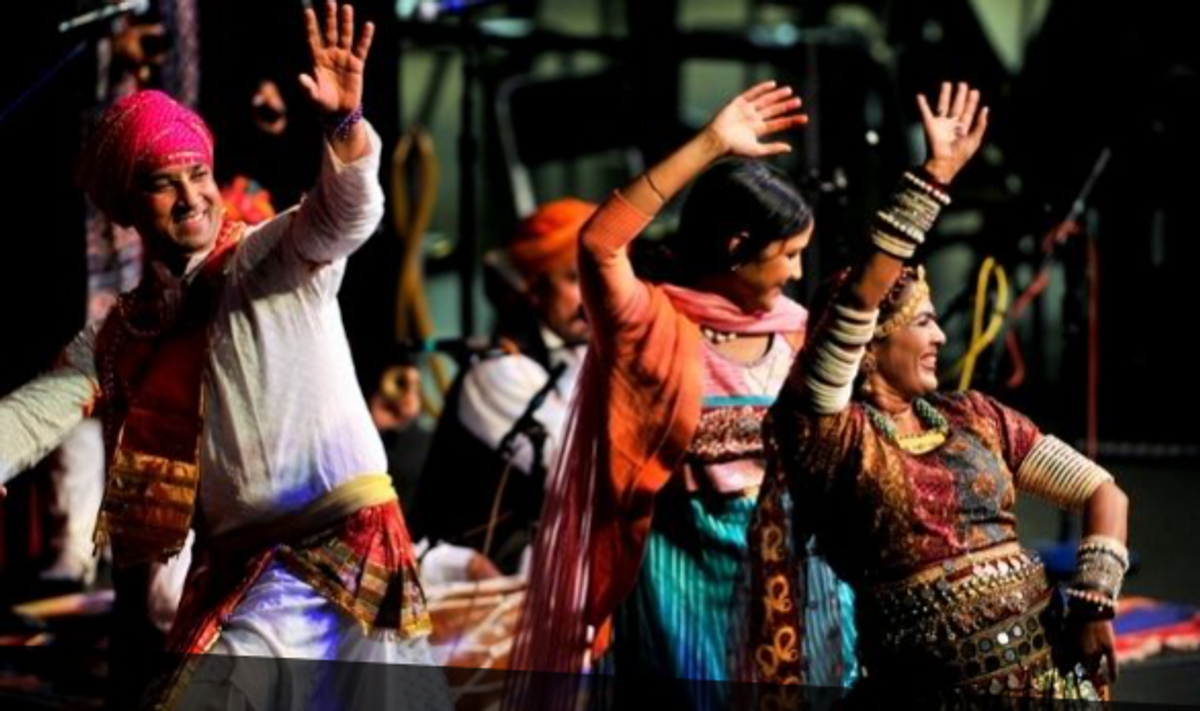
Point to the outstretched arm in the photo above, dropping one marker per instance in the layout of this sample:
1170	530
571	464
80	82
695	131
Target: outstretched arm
36	417
335	86
738	129
345	207
827	370
954	133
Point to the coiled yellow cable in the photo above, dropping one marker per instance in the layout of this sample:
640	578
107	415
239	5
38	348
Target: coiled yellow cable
982	338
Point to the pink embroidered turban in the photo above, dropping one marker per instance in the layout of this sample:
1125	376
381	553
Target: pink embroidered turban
139	134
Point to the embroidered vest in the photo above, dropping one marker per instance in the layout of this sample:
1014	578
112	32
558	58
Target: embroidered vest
150	355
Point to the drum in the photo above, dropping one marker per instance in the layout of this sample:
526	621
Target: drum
474	627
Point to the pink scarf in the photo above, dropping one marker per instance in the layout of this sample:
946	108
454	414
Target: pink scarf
718	313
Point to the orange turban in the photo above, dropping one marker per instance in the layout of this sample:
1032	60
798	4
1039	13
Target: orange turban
139	134
549	237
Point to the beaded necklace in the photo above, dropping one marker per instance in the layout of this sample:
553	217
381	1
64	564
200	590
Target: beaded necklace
717	337
922	442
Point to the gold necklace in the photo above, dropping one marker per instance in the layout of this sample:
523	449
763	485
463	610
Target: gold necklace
920	442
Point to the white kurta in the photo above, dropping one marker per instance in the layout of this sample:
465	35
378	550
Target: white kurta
285	421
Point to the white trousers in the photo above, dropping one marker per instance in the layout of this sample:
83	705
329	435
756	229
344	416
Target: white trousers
287	647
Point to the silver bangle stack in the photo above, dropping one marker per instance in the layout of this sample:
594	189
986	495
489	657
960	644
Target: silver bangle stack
901	227
1101	564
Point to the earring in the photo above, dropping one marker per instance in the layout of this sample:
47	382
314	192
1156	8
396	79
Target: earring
868	366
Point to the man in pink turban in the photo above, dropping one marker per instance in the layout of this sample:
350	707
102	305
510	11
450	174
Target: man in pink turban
229	366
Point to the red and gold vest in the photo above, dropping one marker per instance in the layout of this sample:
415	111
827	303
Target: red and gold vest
150	357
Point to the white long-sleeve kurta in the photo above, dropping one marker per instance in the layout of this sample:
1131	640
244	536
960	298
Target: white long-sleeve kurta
285	421
285	424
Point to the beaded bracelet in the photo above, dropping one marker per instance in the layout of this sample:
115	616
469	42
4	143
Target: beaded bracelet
898	248
897	222
921	179
340	130
1088	605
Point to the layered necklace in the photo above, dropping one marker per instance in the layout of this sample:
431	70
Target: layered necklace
935	434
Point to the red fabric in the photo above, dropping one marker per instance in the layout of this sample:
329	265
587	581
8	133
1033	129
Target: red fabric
373	539
143	132
1146	627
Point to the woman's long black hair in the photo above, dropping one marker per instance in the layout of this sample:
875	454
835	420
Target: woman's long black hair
736	196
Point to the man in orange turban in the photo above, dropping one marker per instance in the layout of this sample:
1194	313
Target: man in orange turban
465	467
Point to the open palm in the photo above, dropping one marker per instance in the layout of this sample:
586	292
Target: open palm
754	114
955	131
335	85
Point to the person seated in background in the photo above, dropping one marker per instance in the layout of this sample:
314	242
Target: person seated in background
396	410
465	484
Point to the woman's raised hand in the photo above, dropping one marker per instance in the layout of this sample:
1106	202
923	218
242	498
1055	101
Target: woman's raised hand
955	131
739	127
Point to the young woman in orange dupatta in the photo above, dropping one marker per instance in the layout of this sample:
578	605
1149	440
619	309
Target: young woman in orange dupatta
641	558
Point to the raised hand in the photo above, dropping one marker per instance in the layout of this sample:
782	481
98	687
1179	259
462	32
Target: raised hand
955	131
754	114
335	85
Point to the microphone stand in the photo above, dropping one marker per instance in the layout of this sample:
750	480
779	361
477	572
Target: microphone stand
83	23
536	433
43	79
1061	232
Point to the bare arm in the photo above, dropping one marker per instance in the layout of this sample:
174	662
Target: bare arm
954	134
737	129
1106	514
826	371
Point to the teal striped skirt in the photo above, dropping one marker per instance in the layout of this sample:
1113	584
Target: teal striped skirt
688	616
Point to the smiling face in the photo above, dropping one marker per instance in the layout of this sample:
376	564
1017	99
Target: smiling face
755	285
907	360
178	211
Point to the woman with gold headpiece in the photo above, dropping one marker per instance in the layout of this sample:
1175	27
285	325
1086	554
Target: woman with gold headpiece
909	492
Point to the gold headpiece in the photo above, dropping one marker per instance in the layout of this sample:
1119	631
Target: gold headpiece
905	312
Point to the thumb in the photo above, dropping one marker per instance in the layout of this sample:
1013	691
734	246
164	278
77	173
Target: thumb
310	86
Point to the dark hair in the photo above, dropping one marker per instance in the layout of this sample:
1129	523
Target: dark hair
736	196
